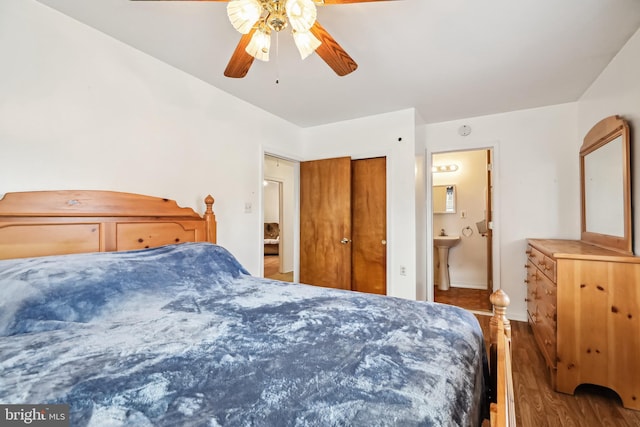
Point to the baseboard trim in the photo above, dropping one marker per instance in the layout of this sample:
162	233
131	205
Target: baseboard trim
469	286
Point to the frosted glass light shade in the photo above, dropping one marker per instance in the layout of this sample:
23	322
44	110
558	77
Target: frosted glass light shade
306	42
302	14
259	45
243	14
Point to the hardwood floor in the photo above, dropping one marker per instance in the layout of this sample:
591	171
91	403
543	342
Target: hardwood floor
271	267
471	299
537	405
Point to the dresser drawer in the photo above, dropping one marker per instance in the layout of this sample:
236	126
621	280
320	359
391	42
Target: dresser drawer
546	264
545	335
532	289
548	267
532	303
547	300
534	255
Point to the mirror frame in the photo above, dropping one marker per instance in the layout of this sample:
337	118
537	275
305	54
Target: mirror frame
605	131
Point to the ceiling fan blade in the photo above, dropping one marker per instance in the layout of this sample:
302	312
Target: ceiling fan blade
240	61
332	53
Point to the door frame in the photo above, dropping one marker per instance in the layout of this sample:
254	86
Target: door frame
494	147
296	209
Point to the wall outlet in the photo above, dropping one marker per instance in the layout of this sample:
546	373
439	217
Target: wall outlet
403	270
247	207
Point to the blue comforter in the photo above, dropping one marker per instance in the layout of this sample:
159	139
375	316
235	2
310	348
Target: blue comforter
181	335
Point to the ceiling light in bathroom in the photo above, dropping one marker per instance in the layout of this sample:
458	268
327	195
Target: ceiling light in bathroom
444	168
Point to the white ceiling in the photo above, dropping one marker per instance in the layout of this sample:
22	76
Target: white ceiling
449	59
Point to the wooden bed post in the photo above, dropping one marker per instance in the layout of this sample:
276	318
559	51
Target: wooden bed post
500	301
502	393
210	219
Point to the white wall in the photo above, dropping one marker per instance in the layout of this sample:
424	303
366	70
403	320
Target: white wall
536	184
80	110
617	92
271	200
421	210
468	259
391	135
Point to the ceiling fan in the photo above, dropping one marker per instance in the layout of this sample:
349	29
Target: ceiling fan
257	19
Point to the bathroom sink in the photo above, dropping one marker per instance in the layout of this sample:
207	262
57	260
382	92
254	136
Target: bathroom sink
446	241
442	244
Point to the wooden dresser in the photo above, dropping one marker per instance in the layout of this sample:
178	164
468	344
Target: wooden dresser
583	303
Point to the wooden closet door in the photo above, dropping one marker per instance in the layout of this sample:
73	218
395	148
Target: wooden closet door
369	225
325	222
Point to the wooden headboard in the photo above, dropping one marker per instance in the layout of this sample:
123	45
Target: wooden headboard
39	223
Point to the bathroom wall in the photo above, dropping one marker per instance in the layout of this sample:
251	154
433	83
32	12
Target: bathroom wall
468	259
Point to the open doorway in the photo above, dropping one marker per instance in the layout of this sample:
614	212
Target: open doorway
279	218
461	221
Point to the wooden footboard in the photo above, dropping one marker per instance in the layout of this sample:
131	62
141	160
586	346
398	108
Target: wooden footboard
502	394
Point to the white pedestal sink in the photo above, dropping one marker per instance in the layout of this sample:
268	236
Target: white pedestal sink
442	244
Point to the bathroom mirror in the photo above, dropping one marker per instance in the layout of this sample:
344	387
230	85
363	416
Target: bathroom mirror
606	185
444	199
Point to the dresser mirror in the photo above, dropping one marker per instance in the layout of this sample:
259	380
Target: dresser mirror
606	185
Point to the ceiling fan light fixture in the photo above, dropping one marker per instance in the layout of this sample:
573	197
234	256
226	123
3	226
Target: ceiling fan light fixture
260	44
302	14
243	14
306	42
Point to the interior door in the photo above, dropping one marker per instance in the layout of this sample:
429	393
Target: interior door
325	222
369	225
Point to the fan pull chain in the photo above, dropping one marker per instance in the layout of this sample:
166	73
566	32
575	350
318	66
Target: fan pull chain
278	57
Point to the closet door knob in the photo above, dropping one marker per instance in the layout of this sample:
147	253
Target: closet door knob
344	241
384	243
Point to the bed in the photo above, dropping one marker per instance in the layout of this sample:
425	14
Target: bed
123	307
271	238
